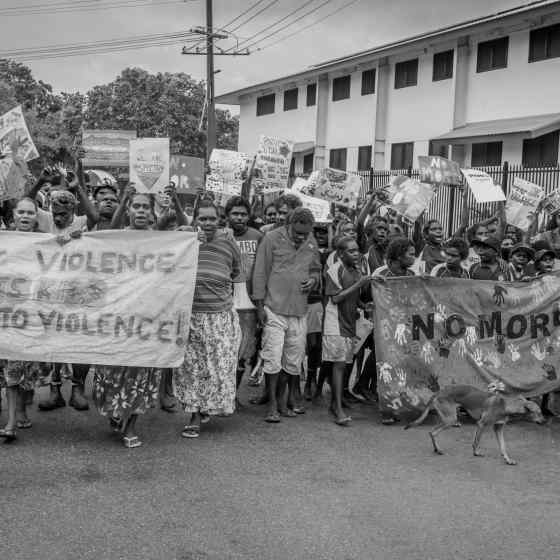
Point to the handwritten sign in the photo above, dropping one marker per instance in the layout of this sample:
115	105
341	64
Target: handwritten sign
482	186
335	186
149	164
13	177
320	208
110	297
14	136
409	197
107	148
438	170
551	203
272	165
522	202
226	174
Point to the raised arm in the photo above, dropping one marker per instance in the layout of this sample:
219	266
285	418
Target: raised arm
116	222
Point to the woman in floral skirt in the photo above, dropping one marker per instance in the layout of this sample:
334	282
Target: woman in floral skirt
206	382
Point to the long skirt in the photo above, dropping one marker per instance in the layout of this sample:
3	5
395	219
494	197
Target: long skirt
205	382
120	391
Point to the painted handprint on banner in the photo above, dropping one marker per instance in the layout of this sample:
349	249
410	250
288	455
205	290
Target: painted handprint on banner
537	291
477	357
385	372
461	346
386	329
493	359
538	352
471	335
401	377
441	314
515	298
515	355
427	353
395	404
498	296
400	334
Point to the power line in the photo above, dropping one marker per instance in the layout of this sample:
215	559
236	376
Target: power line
282	19
253	16
343	7
84	6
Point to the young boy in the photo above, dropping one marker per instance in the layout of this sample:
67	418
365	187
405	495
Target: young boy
343	282
520	256
489	268
456	251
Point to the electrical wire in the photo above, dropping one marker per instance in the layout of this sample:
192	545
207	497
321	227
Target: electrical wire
281	20
84	6
343	7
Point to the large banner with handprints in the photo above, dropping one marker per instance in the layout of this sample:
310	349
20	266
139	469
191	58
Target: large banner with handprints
109	297
433	332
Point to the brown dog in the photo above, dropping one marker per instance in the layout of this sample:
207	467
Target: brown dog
488	409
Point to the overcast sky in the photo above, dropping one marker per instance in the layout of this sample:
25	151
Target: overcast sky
365	24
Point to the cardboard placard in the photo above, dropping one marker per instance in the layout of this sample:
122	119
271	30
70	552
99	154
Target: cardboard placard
149	164
107	148
14	136
409	197
272	165
522	202
439	170
482	186
334	185
187	173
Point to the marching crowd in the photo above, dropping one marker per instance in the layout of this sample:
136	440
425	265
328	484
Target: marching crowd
274	291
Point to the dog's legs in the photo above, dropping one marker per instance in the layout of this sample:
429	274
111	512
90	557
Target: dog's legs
481	425
434	433
499	431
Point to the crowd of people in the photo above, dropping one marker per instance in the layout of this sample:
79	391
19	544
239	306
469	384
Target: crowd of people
277	297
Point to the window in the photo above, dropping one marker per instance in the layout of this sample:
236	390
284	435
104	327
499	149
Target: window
541	151
290	99
492	55
486	153
308	163
364	158
341	88
368	82
311	95
544	43
401	155
436	149
406	73
265	104
443	66
337	159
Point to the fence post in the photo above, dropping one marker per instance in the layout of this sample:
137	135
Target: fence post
505	174
410	171
370	180
451	216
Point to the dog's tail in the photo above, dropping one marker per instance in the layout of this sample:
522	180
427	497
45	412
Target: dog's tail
422	416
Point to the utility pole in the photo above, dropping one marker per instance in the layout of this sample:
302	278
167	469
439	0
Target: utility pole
211	127
209	51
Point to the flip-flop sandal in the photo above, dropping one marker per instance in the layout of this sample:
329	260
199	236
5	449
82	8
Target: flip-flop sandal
343	421
23	424
131	442
204	418
116	424
191	432
299	409
272	418
288	413
388	421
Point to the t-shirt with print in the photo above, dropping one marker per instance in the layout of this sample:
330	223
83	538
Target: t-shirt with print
45	223
247	245
340	318
219	264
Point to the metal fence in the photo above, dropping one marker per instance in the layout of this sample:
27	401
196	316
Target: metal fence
447	204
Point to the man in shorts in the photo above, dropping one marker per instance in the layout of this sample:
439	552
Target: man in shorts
287	268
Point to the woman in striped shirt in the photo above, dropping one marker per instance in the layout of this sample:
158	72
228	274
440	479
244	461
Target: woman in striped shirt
205	383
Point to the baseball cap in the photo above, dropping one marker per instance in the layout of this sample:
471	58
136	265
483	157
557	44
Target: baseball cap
539	255
523	247
491	242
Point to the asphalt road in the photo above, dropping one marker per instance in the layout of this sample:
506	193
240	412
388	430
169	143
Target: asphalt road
304	489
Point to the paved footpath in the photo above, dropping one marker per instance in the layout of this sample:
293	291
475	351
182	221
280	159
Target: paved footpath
305	489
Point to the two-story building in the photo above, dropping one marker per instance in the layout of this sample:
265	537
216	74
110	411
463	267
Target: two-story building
480	92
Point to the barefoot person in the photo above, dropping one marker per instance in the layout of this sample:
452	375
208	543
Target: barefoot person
205	383
286	270
343	282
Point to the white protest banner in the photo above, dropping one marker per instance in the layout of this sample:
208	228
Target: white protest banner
335	186
13	177
272	166
107	148
14	136
522	202
551	203
409	197
482	186
320	208
109	297
438	170
226	174
149	164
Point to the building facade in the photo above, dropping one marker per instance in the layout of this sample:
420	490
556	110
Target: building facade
482	92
